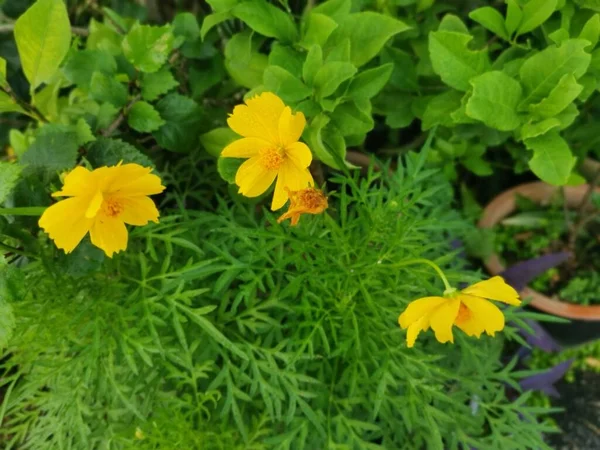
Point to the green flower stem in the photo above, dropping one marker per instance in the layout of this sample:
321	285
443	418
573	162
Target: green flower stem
24	211
434	266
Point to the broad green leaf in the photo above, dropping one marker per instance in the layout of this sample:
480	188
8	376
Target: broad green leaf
285	85
81	65
552	159
144	118
494	100
228	167
317	30
559	36
404	75
514	16
105	88
563	94
589	4
201	79
158	83
323	138
3	82
286	57
402	115
109	152
368	32
453	23
212	20
181	115
54	149
423	5
591	30
336	9
7	104
543	71
453	61
477	165
148	47
9	175
369	83
222	5
590	84
340	52
531	130
350	120
43	36
330	76
186	25
267	20
440	108
535	13
568	116
243	61
313	62
104	38
460	115
216	140
491	19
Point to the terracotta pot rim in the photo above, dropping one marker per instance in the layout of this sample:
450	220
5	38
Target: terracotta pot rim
501	207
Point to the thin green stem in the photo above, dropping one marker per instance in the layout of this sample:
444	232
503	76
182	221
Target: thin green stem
23	211
434	266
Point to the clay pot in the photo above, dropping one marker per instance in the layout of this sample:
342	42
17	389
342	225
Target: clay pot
503	206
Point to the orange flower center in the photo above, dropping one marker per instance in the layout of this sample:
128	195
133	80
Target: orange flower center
272	158
112	207
312	199
464	314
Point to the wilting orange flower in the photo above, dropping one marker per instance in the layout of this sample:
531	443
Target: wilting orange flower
467	309
270	142
101	202
304	201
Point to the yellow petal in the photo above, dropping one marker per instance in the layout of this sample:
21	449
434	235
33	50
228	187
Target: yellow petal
299	154
253	178
139	211
418	309
292	178
467	322
245	148
65	222
109	234
258	118
94	206
77	182
442	318
485	313
414	329
291	126
131	180
495	289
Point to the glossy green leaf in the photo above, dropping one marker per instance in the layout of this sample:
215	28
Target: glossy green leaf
216	140
564	93
317	30
535	13
491	19
43	36
543	71
285	85
591	30
266	19
336	9
8	104
368	32
494	100
350	120
243	61
440	108
531	130
313	62
181	115
369	83
453	61
514	16
552	159
81	65
3	82
330	76
106	88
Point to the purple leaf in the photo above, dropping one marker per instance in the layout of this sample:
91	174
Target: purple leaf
544	382
520	274
540	337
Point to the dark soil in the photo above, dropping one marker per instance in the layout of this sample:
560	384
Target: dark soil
580	420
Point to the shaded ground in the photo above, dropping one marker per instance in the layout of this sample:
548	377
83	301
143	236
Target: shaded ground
580	421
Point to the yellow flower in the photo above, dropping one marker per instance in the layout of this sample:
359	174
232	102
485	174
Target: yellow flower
101	202
467	309
304	201
270	142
